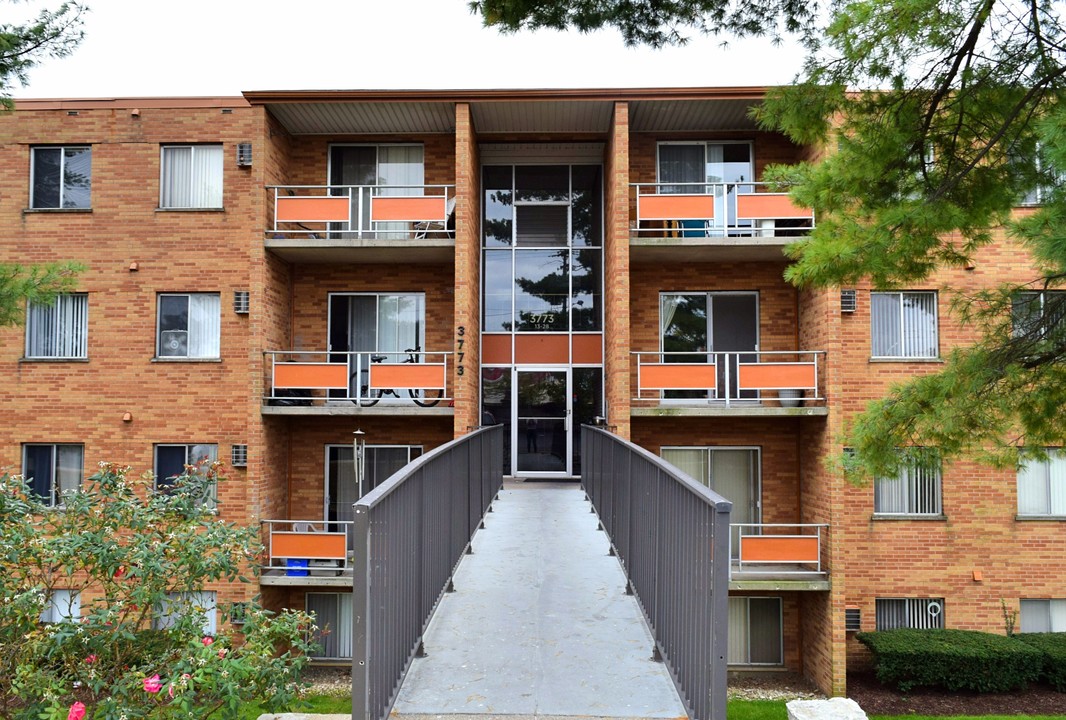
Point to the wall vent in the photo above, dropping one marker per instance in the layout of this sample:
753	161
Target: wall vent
241	302
244	155
239	456
852	619
848	301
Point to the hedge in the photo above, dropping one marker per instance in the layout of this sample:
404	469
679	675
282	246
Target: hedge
953	659
1053	647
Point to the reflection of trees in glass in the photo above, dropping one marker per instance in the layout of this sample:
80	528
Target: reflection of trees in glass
548	282
684	325
62	177
586	208
587	289
541	394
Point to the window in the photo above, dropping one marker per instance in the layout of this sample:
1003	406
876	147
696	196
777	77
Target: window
59	330
61	177
179	605
333	616
903	325
693	166
62	606
1040	175
915	491
386	324
170	462
394	170
191	177
189	326
342	482
52	470
1042	485
755	631
1041	616
917	613
1036	314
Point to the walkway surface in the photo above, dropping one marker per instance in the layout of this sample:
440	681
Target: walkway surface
540	624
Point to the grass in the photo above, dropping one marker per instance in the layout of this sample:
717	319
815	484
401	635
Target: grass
737	710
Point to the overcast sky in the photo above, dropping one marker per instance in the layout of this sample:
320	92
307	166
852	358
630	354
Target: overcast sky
136	48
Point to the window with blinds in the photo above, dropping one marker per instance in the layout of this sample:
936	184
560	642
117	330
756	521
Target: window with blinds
903	325
333	616
1042	616
59	330
915	613
191	177
914	491
755	631
1042	485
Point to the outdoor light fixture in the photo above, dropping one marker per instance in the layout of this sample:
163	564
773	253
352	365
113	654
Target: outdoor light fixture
358	450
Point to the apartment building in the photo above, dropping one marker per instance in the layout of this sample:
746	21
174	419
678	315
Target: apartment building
268	274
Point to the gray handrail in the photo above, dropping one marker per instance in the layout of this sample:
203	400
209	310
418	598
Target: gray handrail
671	535
410	533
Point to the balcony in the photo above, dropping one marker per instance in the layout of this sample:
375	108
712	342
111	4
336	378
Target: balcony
755	383
306	382
306	552
368	223
775	556
715	221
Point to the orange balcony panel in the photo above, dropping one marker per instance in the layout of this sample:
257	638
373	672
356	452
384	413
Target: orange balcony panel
547	348
308	546
409	209
678	376
313	209
587	349
676	207
770	206
767	548
496	349
416	376
311	375
776	376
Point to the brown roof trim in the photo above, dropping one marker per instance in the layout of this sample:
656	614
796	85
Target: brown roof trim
263	97
125	103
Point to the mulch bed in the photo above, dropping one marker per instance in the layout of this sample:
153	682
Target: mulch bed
877	699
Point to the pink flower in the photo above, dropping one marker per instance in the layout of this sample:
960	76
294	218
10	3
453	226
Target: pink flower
152	684
207	640
77	711
170	690
90	660
222	653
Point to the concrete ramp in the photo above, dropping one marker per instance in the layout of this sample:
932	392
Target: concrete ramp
540	624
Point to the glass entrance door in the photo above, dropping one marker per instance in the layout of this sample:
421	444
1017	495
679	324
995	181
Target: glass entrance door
540	435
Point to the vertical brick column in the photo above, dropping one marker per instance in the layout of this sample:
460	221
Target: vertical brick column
616	274
467	272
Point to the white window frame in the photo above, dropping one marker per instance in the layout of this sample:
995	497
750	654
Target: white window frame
192	457
909	495
1052	484
343	634
733	650
914	613
901	338
64	326
200	600
215	202
62	606
62	176
209	353
55	498
1042	615
413	452
1041	297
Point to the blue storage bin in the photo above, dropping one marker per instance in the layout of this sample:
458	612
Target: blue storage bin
296	568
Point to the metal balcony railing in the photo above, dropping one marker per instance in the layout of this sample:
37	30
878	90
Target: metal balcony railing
703	210
787	378
306	547
777	549
314	377
344	212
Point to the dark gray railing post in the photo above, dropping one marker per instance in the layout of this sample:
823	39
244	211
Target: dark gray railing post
360	613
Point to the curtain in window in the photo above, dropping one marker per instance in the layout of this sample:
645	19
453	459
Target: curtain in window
60	330
177	177
885	322
919	325
69	468
343	483
204	325
38	469
692	461
737	651
1042	486
402	168
207	176
681	164
732	478
333	616
915	491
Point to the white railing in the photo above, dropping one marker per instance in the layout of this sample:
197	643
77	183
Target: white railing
362	211
307	547
778	549
788	377
313	377
701	210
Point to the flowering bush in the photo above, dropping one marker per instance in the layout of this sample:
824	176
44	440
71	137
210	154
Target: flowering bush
138	560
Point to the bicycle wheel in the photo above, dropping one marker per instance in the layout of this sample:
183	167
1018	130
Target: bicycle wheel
366	396
426	398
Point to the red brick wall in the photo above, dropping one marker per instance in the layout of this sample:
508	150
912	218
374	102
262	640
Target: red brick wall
467	280
616	274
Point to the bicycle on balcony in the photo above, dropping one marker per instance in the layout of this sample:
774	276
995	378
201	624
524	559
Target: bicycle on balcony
369	397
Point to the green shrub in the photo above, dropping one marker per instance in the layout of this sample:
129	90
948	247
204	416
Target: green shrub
1053	647
952	659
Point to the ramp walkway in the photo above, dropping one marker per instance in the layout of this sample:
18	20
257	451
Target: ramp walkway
539	624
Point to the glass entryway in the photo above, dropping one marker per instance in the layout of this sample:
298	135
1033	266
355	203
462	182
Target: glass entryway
541	434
